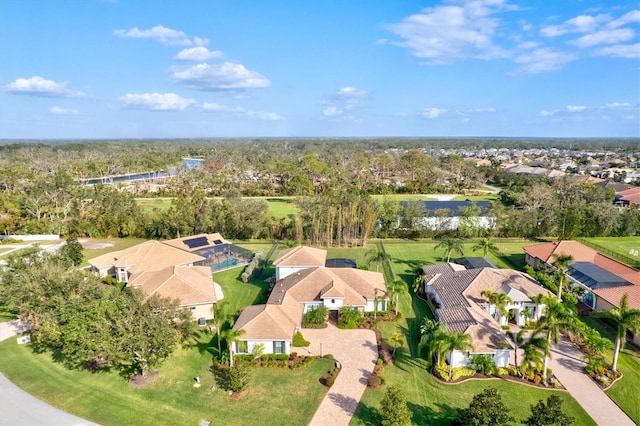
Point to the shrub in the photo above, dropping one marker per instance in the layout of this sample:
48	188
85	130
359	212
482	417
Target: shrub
248	271
349	318
374	381
299	341
238	377
441	372
483	364
460	372
502	371
293	355
379	361
329	381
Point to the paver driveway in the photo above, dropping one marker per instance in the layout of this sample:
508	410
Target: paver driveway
357	352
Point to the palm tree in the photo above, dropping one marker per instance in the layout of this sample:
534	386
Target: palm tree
536	344
624	319
561	263
377	256
485	245
431	336
457	341
231	337
438	344
499	299
450	245
397	339
395	288
556	319
219	319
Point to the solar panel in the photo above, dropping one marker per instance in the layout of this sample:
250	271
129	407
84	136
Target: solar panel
197	242
593	276
216	242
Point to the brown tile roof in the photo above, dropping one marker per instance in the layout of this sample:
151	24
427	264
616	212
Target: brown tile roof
614	294
582	253
460	291
301	256
147	256
191	285
355	285
208	240
632	195
270	321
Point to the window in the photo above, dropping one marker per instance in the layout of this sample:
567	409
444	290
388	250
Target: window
241	347
278	347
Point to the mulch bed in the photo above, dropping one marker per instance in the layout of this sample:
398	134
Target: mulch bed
240	395
139	381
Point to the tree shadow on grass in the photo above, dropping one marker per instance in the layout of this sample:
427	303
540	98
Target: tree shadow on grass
367	415
443	414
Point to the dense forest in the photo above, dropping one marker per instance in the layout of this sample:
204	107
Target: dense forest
332	181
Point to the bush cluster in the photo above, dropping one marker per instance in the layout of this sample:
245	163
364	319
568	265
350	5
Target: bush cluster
248	271
460	372
299	341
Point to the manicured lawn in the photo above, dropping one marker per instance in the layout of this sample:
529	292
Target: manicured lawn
282	207
625	391
171	399
432	402
238	294
483	197
149	204
627	248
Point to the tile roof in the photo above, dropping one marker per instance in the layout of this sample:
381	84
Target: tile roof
301	256
191	285
439	268
582	253
462	310
146	256
632	195
203	241
614	294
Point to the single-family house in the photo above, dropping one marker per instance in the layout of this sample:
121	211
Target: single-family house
462	307
166	270
301	289
452	215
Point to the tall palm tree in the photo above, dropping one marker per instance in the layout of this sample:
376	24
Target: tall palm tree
624	319
450	245
395	288
535	344
438	344
231	337
431	336
376	256
485	245
219	319
457	341
556	319
561	263
499	299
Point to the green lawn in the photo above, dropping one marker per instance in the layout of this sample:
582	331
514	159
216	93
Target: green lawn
149	204
625	391
430	401
171	399
238	294
627	248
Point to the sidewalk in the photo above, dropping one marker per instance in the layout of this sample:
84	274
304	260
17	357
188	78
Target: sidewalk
568	366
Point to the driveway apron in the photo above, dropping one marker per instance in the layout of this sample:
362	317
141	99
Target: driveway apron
357	352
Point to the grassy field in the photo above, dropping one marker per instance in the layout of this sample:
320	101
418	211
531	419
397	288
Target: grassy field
625	249
171	399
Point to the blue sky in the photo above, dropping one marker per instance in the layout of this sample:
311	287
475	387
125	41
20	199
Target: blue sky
222	68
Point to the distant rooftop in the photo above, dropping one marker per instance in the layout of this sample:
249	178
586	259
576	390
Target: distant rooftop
595	277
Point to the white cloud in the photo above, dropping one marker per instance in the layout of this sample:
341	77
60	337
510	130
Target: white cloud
199	53
224	76
162	35
56	110
579	24
542	60
481	110
433	113
331	112
350	94
446	33
629	51
625	106
156	101
576	108
604	37
240	112
38	86
627	18
545	113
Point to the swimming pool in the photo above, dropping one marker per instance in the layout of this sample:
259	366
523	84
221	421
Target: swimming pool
227	263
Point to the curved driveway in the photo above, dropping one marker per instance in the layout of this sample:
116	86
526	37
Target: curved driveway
357	352
18	408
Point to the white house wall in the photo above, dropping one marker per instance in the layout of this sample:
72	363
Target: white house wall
285	271
333	303
268	346
201	311
500	358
